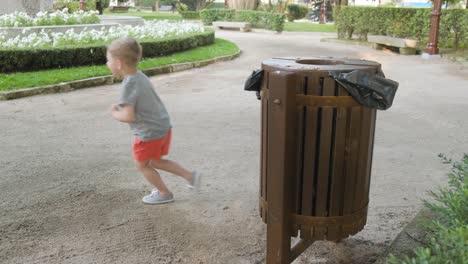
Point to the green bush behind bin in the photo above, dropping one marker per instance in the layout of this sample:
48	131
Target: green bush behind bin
448	228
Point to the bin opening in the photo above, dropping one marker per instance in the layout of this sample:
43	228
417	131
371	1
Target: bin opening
319	62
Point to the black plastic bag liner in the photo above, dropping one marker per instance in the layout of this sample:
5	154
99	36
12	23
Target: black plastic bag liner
254	82
369	89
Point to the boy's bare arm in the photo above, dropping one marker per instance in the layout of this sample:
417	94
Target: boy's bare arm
123	113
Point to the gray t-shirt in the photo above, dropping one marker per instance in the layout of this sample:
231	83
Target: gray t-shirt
152	120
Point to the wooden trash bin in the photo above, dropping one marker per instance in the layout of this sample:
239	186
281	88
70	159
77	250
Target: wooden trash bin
316	154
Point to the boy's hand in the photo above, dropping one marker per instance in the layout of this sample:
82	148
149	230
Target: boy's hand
114	107
123	113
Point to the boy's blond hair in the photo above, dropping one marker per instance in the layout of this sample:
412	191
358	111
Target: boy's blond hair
128	50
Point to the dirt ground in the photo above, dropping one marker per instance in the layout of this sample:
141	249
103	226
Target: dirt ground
69	192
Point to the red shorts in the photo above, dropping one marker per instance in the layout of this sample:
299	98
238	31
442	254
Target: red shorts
152	150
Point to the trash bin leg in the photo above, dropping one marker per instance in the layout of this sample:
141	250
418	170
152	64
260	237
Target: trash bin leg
281	143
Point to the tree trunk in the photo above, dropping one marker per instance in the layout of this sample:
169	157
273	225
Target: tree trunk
138	5
456	41
323	12
156	5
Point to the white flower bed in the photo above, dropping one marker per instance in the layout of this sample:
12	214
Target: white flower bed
151	30
21	19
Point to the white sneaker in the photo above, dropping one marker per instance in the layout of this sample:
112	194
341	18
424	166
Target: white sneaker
196	180
156	198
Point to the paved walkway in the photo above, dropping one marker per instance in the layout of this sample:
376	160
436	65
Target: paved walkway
70	194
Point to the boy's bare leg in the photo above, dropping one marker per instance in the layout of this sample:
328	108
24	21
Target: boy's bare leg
153	177
172	167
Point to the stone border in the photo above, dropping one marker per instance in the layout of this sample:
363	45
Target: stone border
413	235
108	79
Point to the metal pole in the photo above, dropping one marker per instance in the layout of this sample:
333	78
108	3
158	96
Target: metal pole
81	4
431	47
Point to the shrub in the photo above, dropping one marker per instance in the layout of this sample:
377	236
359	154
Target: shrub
181	7
22	60
267	20
449	230
190	14
453	30
411	23
208	16
74	6
296	11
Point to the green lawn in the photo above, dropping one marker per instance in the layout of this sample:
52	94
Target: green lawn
148	15
309	27
221	47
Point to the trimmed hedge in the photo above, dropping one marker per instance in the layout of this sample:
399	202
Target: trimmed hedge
413	23
267	20
23	60
190	14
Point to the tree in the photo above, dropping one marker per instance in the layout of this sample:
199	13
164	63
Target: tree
196	4
156	6
138	5
243	4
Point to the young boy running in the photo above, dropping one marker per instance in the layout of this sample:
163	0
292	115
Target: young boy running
143	110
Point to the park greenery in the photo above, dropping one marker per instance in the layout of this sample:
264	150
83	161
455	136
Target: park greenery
60	17
33	59
448	231
309	27
18	80
150	31
190	14
296	11
413	23
267	20
73	6
149	15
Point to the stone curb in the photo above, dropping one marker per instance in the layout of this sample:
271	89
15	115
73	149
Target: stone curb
414	235
107	80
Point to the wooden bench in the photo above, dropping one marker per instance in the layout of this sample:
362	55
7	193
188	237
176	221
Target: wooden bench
118	8
405	46
243	26
166	8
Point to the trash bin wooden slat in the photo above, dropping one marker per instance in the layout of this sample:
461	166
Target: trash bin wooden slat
337	174
310	141
324	143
